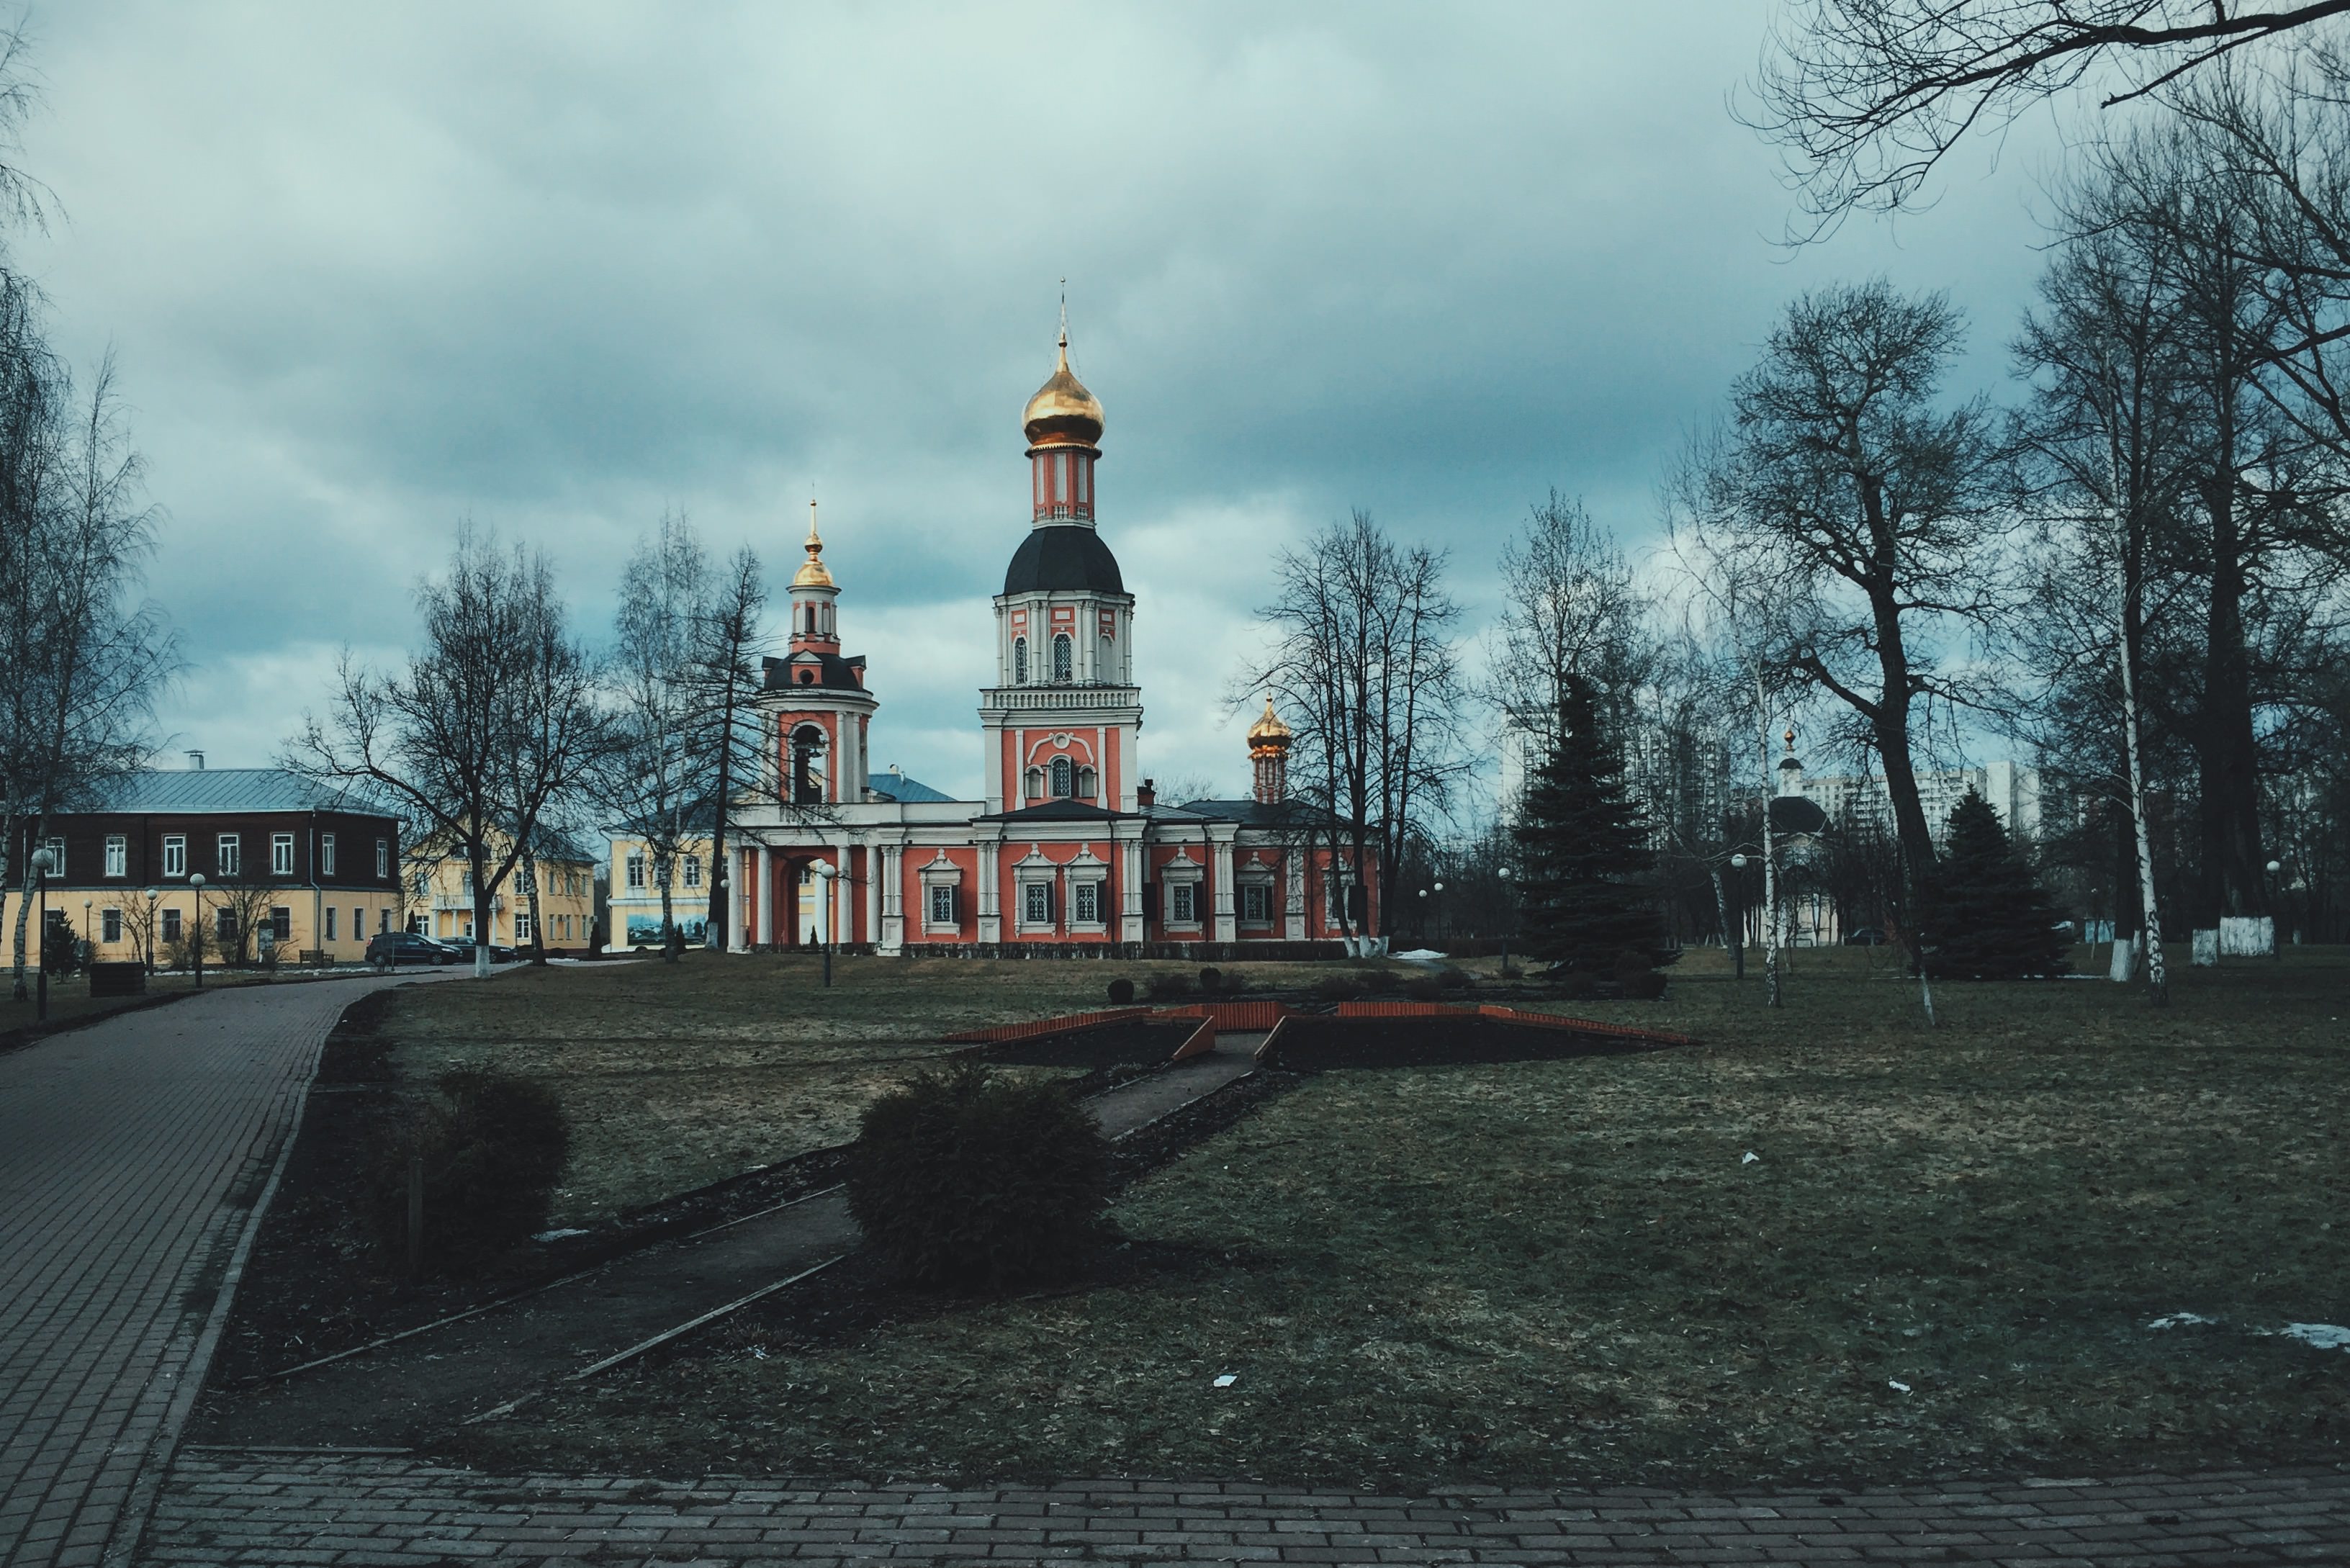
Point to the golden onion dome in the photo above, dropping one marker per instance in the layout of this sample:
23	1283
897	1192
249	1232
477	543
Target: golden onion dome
1269	732
812	572
1063	413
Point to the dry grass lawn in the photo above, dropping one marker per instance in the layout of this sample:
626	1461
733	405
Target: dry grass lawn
1944	1259
680	1075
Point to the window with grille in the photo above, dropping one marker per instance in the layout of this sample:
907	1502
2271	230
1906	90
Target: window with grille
1063	778
1036	903
1256	903
1061	667
943	906
1183	903
1020	661
1085	903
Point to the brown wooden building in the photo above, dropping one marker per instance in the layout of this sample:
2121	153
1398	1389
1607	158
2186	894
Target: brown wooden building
315	870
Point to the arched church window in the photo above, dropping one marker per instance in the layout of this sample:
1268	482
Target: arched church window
807	765
811	621
1061	655
1063	778
1104	661
1036	782
1020	661
1085	784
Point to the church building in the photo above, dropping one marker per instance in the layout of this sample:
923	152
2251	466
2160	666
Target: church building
1070	852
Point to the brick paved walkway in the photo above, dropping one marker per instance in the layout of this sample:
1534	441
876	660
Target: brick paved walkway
252	1509
132	1155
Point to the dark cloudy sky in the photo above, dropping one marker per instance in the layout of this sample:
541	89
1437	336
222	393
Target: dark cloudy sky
368	270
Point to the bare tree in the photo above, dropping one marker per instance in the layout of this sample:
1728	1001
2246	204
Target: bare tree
652	784
1365	672
1867	97
725	659
81	660
441	740
557	733
1568	608
1875	512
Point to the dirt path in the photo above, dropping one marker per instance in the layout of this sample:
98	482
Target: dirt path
396	1396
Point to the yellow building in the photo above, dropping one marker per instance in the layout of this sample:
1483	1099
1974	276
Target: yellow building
252	858
440	888
635	905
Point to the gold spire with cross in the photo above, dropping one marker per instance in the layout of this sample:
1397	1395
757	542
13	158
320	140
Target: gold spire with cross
812	572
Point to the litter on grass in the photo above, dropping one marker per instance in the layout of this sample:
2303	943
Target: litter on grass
556	1235
1893	1384
2318	1336
1750	1158
1226	1380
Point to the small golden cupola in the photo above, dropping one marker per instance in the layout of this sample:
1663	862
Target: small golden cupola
815	599
1064	425
1269	741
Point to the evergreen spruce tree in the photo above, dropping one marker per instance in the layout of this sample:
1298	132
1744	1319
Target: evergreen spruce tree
1584	848
1990	920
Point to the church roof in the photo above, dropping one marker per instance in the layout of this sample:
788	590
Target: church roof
896	786
1797	814
1058	811
1061	557
830	669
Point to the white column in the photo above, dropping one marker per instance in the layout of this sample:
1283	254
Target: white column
836	912
1292	924
766	896
1129	895
1227	928
873	896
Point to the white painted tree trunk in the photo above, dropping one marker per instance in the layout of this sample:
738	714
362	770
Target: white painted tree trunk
2157	984
1770	859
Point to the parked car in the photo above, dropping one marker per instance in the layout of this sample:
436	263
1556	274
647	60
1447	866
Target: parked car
386	948
465	951
1867	937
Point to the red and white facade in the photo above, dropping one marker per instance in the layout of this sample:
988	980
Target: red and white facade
1069	853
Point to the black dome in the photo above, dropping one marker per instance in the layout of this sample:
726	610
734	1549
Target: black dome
1062	556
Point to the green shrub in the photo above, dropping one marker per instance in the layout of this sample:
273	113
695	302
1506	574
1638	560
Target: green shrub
1451	979
971	1180
1381	981
493	1146
1423	988
1646	985
1168	987
1233	983
1121	992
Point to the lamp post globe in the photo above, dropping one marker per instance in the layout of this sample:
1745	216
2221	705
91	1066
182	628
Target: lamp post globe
1739	861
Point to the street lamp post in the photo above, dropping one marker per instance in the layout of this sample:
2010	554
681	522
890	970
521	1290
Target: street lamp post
825	874
2276	927
42	864
1509	914
1738	943
1439	887
196	945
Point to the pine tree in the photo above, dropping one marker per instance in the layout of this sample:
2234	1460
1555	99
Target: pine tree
1584	848
1990	920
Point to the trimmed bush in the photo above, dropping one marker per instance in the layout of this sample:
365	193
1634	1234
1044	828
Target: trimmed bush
1168	987
1338	988
1644	985
1210	979
974	1181
1121	992
1379	981
1233	983
1423	988
493	1146
1451	979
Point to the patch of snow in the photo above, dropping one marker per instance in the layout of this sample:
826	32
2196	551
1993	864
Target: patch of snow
2181	1320
556	1235
2318	1336
1420	955
1901	1388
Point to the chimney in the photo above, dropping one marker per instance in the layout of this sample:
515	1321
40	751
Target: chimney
195	761
1148	795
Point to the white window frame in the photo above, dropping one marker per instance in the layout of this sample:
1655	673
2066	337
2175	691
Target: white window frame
383	857
689	867
1181	873
1065	657
281	855
117	855
939	907
56	848
228	853
521	927
1020	660
1034	889
1258	887
175	854
325	854
633	868
1093	890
